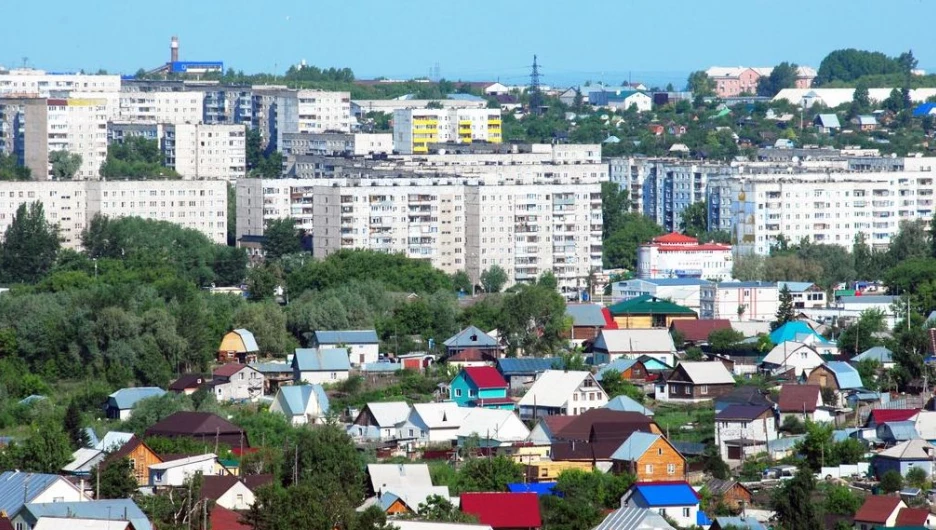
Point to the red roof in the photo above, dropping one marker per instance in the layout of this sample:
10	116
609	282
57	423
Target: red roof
503	510
674	238
799	398
912	517
471	355
879	416
877	509
485	377
695	248
224	519
699	330
609	319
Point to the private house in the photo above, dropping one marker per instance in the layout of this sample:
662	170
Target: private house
540	471
791	355
363	346
659	261
173	473
744	430
629	370
187	384
882	416
110	513
481	386
472	337
837	375
696	332
544	432
742	395
595	435
800	332
587	321
301	404
504	511
200	426
491	428
396	502
731	493
695	381
804	402
120	404
405	524
650	458
806	295
470	357
626	404
83	461
227	491
894	432
654	365
879	354
274	374
620	98
903	457
634	518
320	366
613	344
221	518
239	346
562	392
649	312
521	372
918	518
827	123
437	422
878	511
380	421
675	500
140	456
383	477
236	382
18	488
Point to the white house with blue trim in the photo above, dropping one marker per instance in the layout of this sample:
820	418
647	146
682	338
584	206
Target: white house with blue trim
301	404
363	345
319	366
675	500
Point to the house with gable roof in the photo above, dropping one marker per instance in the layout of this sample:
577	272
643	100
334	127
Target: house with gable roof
562	392
60	514
380	421
320	366
791	355
239	346
744	430
470	357
647	311
878	511
228	491
17	488
301	404
481	386
504	511
629	370
827	123
236	382
120	404
521	372
613	344
363	345
649	457
879	354
634	518
804	402
676	500
695	381
472	337
437	422
837	375
587	321
139	456
798	331
623	403
911	454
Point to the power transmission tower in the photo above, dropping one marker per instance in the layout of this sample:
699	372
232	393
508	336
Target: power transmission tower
536	94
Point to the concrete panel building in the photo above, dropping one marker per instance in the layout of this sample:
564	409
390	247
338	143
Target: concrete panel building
415	129
39	83
203	151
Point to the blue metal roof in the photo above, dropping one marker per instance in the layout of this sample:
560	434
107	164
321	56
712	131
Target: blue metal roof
470	337
113	509
784	444
526	365
795	287
381	367
877	353
828	120
321	360
347	336
747	523
30	399
618	365
297	397
271	367
635	446
676	282
17	488
795	330
127	398
845	374
626	404
924	109
250	342
900	431
666	494
586	315
539	488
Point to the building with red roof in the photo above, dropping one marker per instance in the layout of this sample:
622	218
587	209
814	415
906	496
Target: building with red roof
224	519
504	511
696	332
804	402
481	386
878	510
907	517
879	416
679	256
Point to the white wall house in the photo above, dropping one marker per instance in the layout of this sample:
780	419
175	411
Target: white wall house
318	366
236	382
744	430
791	354
562	392
174	472
683	291
301	404
363	345
740	301
438	422
680	256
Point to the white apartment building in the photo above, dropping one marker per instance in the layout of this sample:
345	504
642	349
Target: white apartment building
415	129
161	107
309	111
79	126
680	256
38	83
683	291
200	205
336	144
739	301
201	151
260	201
824	206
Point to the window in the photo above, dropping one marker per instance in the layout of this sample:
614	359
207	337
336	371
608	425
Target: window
703	389
660	451
685	512
58	499
334	375
240	499
670	469
411	433
648	469
458	392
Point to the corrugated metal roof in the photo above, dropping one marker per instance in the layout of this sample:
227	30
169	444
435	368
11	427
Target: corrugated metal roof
795	330
321	360
127	398
113	509
845	374
250	343
635	446
17	488
635	341
587	315
634	518
271	367
347	336
741	523
526	365
649	305
297	398
539	488
618	365
389	413
898	431
471	337
795	287
662	494
398	476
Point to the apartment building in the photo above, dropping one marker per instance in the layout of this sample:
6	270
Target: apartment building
414	130
661	188
733	81
823	206
222	103
336	144
200	205
302	111
206	151
161	107
39	83
24	133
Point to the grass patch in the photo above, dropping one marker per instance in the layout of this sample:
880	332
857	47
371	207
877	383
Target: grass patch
686	422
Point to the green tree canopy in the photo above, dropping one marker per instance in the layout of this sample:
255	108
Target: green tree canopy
30	245
782	76
11	170
137	158
281	238
700	84
493	279
65	165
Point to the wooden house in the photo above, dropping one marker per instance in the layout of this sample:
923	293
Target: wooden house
730	493
141	458
650	458
695	381
649	312
238	346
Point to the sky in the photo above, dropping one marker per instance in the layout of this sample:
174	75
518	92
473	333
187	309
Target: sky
598	40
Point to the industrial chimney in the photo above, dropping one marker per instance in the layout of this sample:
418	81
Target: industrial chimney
174	50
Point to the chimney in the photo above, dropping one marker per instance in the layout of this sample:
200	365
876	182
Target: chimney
174	49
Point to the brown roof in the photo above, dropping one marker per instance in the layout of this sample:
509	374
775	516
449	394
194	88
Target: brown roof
228	370
583	450
255	481
876	509
720	487
799	398
580	428
912	517
214	486
5	523
558	422
201	426
699	330
186	382
471	355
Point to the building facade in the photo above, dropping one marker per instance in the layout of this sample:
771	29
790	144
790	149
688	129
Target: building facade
161	107
38	83
740	301
679	256
307	111
201	151
415	129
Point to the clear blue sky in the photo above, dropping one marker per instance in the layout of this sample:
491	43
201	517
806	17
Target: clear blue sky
478	39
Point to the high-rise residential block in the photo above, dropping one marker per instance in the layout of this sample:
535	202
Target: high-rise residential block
414	130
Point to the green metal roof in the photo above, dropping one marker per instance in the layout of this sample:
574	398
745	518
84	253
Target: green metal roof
649	305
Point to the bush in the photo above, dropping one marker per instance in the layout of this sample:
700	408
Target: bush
793	425
917	478
891	482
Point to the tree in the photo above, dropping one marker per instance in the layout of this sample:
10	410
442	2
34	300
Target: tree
138	158
494	279
29	246
748	267
793	425
861	101
614	385
782	76
151	410
11	170
714	465
461	282
851	64
793	502
281	238
700	84
45	450
534	319
816	446
863	333
917	477
785	311
439	509
840	500
912	241
488	474
861	255
620	248
693	220
65	165
72	424
116	479
615	204
891	481
254	149
724	340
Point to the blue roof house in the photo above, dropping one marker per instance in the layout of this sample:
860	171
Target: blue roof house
892	432
18	488
319	366
880	354
472	337
301	404
522	371
798	331
837	375
625	404
676	500
362	344
480	386
124	510
905	456
120	404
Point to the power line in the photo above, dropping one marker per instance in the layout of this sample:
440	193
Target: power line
536	96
